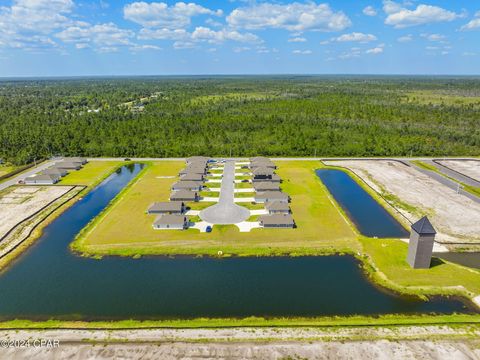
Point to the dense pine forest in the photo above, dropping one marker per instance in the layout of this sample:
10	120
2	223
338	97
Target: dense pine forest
239	116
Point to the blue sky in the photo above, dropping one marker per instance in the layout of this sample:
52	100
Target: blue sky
106	37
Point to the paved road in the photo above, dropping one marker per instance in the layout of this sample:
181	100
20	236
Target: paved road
454	174
445	181
26	174
226	211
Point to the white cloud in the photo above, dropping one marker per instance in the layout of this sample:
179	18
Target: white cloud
104	37
472	24
180	45
355	37
240	49
293	17
137	48
163	34
160	15
406	38
353	53
434	37
376	50
302	52
28	23
297	39
206	34
400	17
370	11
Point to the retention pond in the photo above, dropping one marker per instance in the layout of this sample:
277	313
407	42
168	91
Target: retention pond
48	281
365	212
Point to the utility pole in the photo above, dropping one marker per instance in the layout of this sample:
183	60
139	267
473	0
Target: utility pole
315	153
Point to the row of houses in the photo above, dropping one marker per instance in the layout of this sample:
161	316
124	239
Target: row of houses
53	174
171	214
266	184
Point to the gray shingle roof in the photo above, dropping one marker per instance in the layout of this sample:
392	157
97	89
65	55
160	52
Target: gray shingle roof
424	227
277	219
169	219
166	206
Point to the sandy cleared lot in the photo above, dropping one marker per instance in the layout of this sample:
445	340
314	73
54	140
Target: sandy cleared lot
467	167
18	203
250	343
454	216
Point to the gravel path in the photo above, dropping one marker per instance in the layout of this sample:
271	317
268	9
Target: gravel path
226	211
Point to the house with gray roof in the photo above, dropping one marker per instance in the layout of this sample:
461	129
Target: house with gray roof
170	222
167	207
266	186
193	170
271	196
191	177
55	171
277	221
277	207
184	195
69	165
197	159
262	163
80	160
272	178
42	179
188	185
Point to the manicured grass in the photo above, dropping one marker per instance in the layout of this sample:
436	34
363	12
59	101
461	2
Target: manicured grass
320	226
244	185
91	174
389	256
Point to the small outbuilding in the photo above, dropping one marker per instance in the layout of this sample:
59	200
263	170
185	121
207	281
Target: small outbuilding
42	179
169	221
184	195
277	207
55	171
266	186
187	185
277	221
168	207
420	246
271	196
69	165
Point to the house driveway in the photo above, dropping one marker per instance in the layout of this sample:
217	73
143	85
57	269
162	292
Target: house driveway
226	211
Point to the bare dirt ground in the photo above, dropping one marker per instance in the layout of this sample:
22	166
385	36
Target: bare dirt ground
18	203
251	343
454	216
467	167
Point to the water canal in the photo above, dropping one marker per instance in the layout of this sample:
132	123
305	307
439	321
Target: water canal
48	281
370	218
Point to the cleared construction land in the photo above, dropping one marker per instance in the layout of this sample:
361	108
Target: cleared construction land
470	168
17	203
415	194
320	225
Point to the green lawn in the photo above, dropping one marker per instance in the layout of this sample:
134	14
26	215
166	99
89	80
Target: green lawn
91	174
125	229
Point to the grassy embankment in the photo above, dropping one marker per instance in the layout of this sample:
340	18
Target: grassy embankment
471	189
455	320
